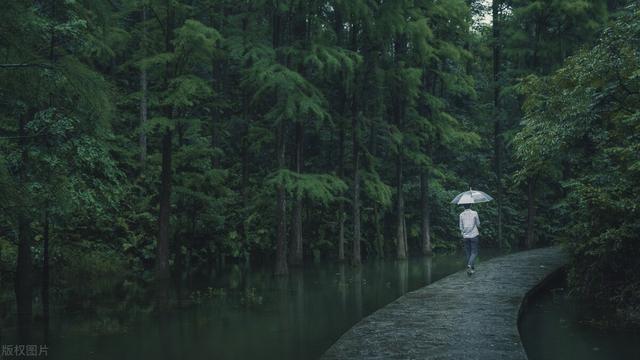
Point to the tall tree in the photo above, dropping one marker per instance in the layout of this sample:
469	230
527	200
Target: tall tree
496	16
186	43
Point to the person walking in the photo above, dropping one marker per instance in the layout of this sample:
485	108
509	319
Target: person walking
469	223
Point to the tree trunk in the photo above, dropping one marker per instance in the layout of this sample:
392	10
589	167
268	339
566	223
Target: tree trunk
401	250
531	210
341	214
357	256
281	202
296	245
404	232
245	160
403	277
216	116
426	225
243	184
164	218
497	133
357	260
45	275
215	159
23	285
338	27
531	213
143	117
341	219
142	139
189	245
281	213
162	249
379	238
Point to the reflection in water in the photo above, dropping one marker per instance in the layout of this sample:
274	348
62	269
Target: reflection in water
24	325
342	286
427	261
552	329
284	322
166	341
257	316
357	288
297	278
403	276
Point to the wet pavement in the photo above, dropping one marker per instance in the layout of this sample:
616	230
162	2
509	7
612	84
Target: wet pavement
458	317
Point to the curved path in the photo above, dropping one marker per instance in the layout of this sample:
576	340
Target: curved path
458	317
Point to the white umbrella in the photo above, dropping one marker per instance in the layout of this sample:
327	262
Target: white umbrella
471	197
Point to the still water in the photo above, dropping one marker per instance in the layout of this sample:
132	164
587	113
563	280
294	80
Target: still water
259	316
552	328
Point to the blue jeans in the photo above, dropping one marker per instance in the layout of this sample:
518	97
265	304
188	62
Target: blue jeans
471	249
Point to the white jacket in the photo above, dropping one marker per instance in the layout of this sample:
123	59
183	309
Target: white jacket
469	222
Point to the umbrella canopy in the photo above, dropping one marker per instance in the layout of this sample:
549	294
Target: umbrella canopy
471	197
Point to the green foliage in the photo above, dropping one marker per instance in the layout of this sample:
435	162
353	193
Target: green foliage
8	256
585	118
331	60
185	91
97	86
319	188
544	32
376	189
295	97
195	41
87	262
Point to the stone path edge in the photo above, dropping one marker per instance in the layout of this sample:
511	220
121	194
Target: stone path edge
560	271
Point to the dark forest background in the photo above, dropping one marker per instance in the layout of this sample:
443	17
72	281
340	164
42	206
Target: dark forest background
143	140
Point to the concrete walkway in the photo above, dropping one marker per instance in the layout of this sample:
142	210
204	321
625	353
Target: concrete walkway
458	317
